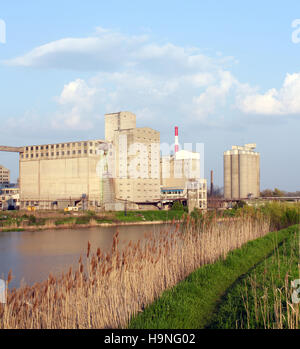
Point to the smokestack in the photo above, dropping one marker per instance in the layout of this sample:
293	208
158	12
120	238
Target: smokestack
176	140
211	182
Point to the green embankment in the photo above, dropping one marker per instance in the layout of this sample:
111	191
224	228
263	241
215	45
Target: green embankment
193	303
259	289
18	221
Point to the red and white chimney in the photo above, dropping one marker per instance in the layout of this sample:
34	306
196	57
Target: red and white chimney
176	140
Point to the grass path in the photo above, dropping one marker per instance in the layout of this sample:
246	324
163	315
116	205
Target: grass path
193	302
262	298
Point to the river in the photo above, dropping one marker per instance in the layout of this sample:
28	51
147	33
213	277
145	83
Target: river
33	255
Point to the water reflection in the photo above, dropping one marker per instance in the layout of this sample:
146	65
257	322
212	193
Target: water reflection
33	255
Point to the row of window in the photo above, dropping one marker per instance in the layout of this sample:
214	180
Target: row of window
67	145
63	153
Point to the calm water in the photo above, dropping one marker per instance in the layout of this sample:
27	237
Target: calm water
33	255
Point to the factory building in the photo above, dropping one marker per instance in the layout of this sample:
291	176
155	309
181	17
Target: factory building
94	173
4	175
241	172
124	169
180	177
137	158
60	175
9	198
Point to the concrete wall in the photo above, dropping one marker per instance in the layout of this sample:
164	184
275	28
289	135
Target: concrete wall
227	175
137	176
118	121
176	172
61	176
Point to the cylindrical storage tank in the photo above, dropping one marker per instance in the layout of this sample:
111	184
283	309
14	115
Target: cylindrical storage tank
253	182
235	185
249	173
257	175
243	159
227	175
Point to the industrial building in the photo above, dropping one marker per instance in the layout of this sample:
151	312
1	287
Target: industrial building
57	175
9	198
241	173
136	162
123	169
180	177
4	175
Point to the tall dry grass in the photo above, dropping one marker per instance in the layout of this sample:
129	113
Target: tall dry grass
268	303
110	288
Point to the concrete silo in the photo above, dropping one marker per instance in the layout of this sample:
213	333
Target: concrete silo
243	157
253	170
235	171
257	174
241	172
227	175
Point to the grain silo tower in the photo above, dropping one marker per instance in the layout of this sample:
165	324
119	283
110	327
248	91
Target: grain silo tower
227	174
241	172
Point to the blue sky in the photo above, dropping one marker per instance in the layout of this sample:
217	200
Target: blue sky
225	72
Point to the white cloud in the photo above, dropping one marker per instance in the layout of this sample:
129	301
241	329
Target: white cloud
284	101
156	81
105	50
77	101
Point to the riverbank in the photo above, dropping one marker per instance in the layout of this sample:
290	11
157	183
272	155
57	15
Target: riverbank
199	302
21	221
81	226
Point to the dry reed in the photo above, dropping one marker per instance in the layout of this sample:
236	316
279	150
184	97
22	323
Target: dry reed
109	288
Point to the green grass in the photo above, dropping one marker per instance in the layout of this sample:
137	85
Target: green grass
11	230
192	303
139	216
65	220
266	276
